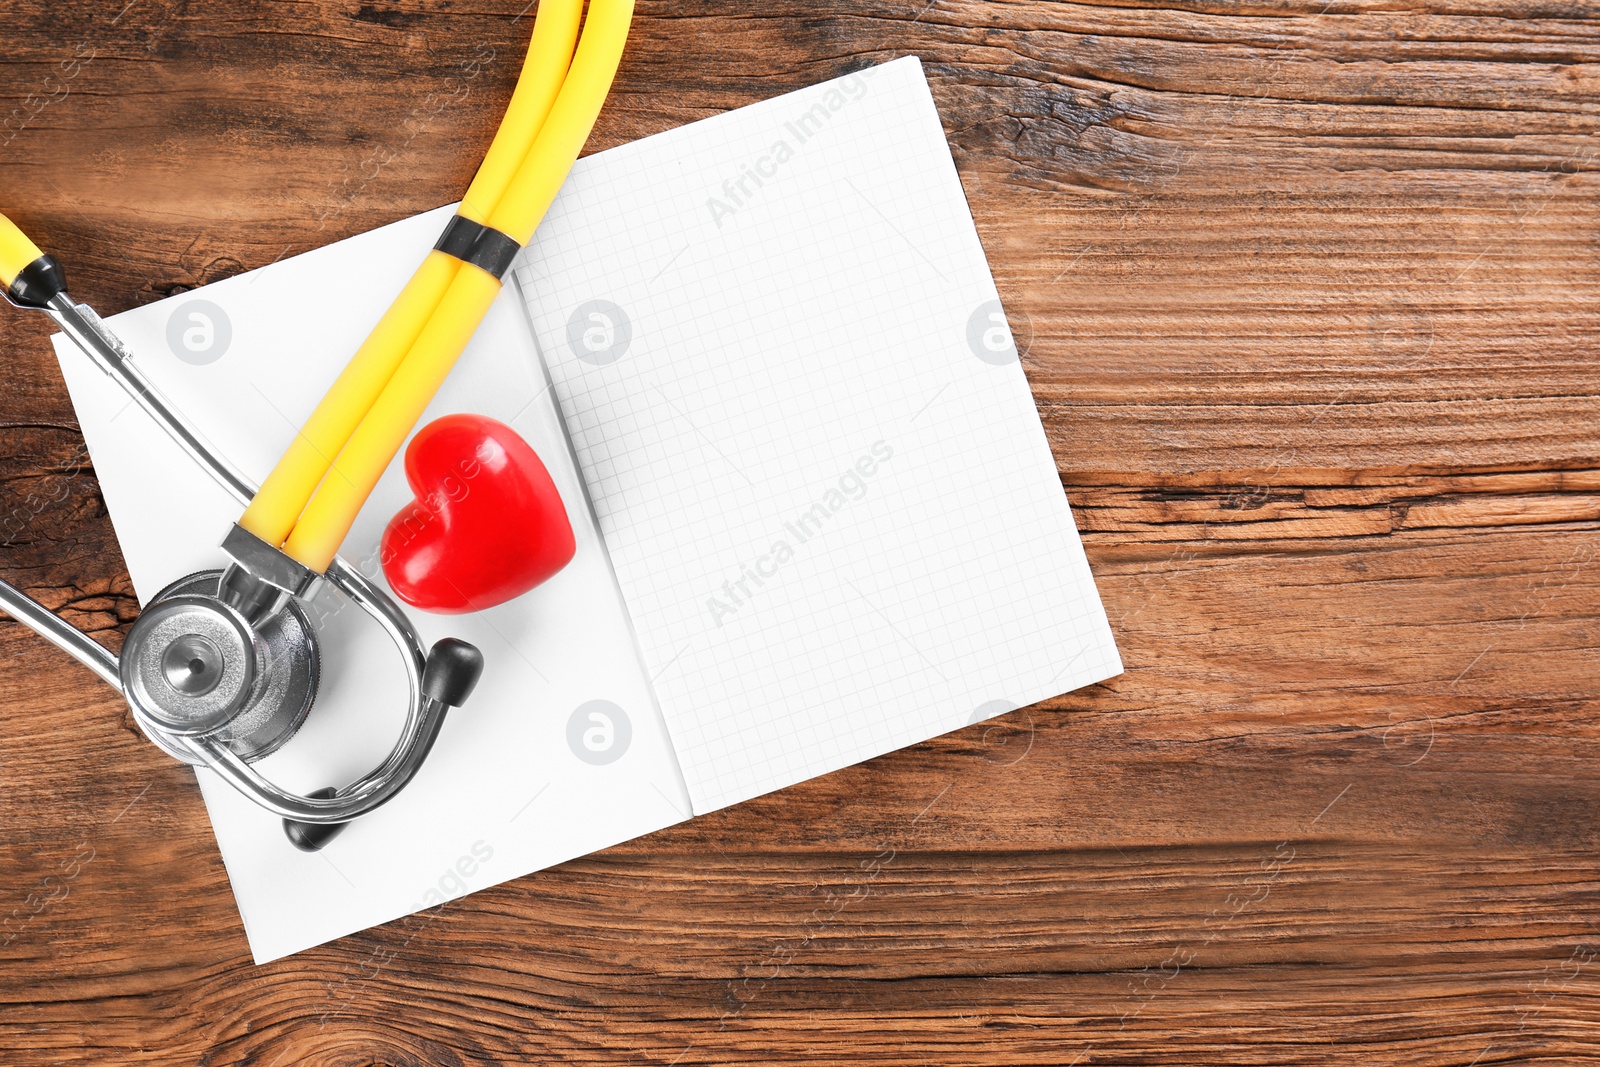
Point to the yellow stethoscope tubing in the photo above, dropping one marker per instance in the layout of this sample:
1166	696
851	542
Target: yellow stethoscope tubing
276	507
571	120
544	71
16	252
333	507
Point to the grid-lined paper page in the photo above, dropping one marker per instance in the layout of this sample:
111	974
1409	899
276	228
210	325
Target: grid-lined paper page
810	444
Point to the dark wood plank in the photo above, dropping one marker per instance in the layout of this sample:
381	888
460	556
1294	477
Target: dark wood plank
1308	294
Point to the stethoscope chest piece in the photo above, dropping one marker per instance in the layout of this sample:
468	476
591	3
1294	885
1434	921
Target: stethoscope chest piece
195	667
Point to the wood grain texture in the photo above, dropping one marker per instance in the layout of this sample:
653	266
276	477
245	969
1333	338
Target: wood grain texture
1308	292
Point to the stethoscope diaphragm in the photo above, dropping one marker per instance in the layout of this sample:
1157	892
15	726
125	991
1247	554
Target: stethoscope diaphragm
194	667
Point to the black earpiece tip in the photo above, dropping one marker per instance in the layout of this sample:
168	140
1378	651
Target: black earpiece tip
452	670
37	283
312	836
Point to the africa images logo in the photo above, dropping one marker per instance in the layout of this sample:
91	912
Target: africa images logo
989	335
599	332
737	193
599	732
199	332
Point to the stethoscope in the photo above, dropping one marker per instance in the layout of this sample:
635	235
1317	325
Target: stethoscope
221	667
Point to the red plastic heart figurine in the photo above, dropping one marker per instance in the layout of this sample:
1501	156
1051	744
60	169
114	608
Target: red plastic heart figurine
487	523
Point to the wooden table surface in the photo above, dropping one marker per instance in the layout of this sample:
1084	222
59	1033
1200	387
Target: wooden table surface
1308	296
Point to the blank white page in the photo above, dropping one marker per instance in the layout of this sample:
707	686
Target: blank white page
811	448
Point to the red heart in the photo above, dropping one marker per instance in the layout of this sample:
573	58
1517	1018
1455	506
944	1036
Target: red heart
487	523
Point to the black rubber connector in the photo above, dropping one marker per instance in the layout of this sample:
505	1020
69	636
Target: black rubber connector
312	836
38	282
452	670
472	242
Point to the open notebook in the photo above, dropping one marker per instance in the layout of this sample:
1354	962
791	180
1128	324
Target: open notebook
817	516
